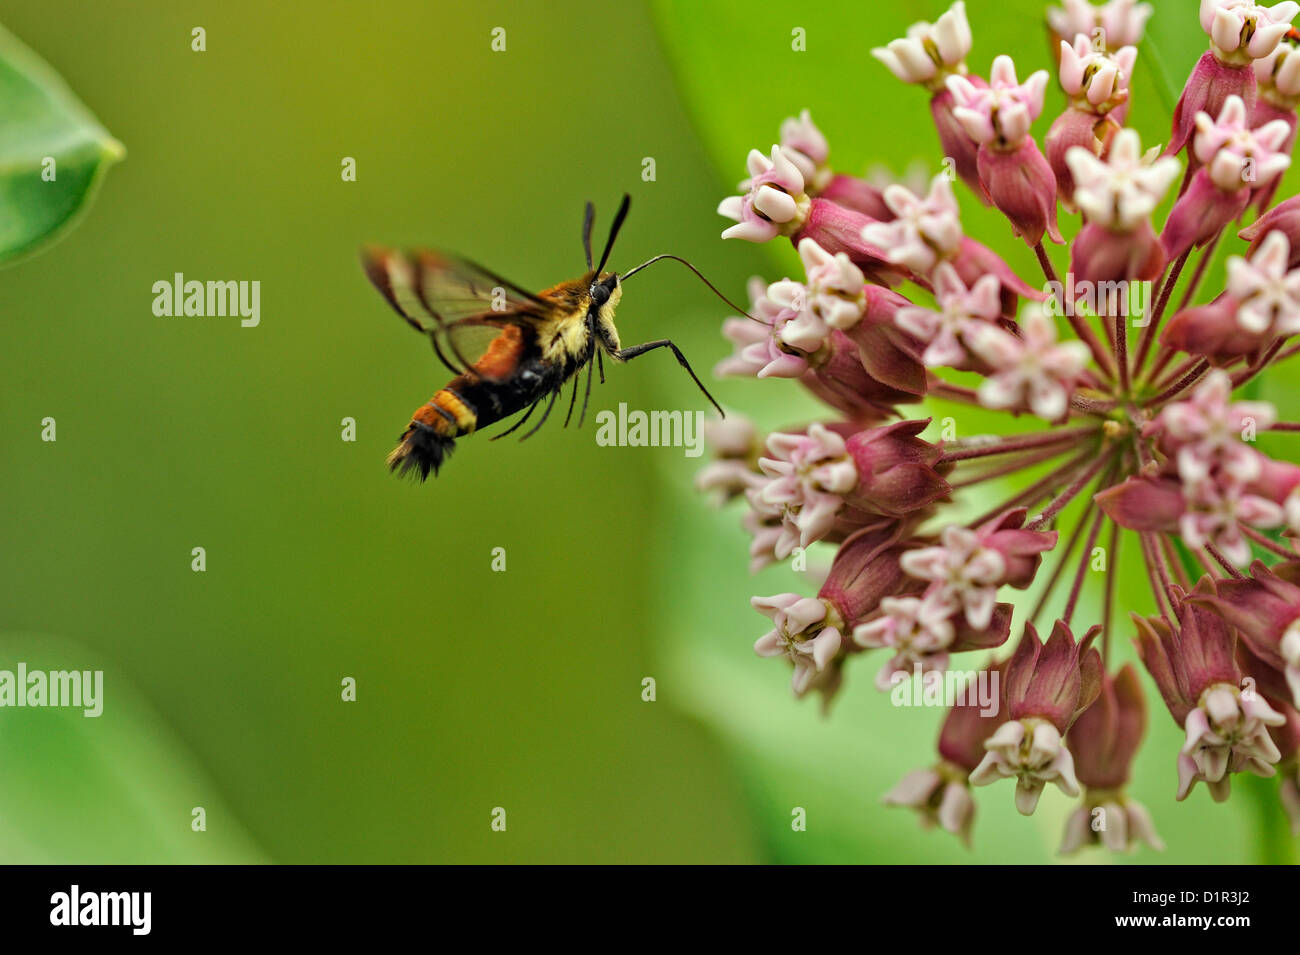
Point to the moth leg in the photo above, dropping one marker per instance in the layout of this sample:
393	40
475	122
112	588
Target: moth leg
527	414
587	396
546	414
573	400
627	354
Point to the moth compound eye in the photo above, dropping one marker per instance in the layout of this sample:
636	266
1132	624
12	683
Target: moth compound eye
599	294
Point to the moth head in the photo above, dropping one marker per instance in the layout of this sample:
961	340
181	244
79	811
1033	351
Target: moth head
605	290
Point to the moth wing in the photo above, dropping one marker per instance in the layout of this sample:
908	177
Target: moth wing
462	307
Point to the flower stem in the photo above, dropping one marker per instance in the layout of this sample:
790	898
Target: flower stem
942	389
1020	462
1061	561
1043	486
1243	376
1181	385
1018	444
1121	355
1187	365
1166	290
1266	542
1206	256
1223	561
1108	601
1070	493
1049	270
1085	560
1288	353
1159	580
1167	542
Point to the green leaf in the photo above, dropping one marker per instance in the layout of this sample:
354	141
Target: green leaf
119	787
53	152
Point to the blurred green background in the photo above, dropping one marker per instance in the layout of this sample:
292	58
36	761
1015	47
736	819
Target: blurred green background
475	689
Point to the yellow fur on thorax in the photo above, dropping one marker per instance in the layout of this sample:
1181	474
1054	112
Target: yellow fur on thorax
567	335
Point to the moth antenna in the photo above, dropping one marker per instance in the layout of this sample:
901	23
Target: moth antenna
698	274
613	231
588	217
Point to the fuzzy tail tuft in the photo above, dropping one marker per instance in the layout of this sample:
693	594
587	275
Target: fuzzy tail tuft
421	450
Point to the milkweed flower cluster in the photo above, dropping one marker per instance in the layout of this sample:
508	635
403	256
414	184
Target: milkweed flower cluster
1142	442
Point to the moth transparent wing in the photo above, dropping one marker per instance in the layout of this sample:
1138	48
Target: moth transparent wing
460	306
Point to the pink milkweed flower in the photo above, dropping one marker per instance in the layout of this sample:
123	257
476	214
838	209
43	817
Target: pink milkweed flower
887	352
1240	32
1278	79
1236	159
1243	30
735	444
970	565
940	794
1265	609
1216	511
927	56
918	629
803	631
1287	739
930	52
1120	192
1034	370
805	146
833	296
961	312
955	142
1103	740
1204	433
809	631
1002	112
1193	667
774	201
1046	686
1284	218
1262	302
812	478
1011	167
923	630
809	476
1227	733
1267	293
924	231
1211	331
897	471
1120	22
1234	152
758	352
1097	84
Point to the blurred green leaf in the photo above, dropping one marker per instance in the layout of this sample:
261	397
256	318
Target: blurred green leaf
52	151
118	787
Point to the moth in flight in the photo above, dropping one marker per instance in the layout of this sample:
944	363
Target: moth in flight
510	350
